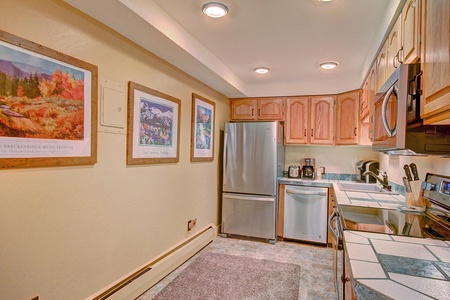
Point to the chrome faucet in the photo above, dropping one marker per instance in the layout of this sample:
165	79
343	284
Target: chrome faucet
384	182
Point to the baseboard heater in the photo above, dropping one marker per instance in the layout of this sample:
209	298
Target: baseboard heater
137	282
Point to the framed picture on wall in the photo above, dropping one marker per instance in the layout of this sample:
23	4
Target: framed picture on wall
153	126
202	129
48	106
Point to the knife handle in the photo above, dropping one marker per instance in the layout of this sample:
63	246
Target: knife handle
407	172
407	185
414	171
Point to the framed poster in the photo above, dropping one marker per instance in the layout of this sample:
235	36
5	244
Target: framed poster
153	126
48	106
202	132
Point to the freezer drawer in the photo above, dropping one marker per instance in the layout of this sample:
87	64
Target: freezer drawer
305	213
249	215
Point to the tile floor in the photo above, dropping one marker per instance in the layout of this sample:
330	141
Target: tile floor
316	264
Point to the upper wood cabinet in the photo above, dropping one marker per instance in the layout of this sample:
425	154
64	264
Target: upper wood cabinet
347	118
394	46
248	109
411	31
322	120
435	103
297	120
309	120
381	65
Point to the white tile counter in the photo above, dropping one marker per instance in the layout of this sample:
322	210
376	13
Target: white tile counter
397	267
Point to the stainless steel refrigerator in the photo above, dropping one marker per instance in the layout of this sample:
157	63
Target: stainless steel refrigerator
253	159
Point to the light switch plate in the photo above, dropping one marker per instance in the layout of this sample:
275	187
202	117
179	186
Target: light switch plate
113	107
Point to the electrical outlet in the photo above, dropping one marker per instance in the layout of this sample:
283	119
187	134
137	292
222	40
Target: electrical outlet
191	224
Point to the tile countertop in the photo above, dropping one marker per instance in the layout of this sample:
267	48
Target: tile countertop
387	266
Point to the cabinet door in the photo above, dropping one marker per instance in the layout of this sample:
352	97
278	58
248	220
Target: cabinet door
363	108
381	66
436	62
296	125
347	118
410	31
322	120
270	109
243	109
393	48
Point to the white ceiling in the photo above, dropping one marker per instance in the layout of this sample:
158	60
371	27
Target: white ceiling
290	36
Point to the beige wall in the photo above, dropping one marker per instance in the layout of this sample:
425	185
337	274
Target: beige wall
67	232
337	159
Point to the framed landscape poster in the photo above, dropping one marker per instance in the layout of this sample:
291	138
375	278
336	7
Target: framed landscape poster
48	106
153	126
202	133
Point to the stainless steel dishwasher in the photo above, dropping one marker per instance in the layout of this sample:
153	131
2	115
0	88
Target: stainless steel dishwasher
305	213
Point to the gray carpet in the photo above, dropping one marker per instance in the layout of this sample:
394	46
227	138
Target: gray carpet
223	276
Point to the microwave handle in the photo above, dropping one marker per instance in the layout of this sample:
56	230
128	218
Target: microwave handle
390	132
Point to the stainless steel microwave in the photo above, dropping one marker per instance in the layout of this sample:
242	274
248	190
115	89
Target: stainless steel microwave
398	129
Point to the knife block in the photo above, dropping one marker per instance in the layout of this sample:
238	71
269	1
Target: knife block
415	197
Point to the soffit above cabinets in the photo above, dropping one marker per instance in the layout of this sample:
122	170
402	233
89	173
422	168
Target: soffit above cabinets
291	38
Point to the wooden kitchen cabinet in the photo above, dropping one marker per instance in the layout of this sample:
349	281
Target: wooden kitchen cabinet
297	120
394	47
349	292
411	31
366	122
347	118
309	120
322	120
381	65
435	101
251	109
332	206
280	221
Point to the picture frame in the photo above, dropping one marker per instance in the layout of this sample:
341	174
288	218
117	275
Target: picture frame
202	129
48	106
153	134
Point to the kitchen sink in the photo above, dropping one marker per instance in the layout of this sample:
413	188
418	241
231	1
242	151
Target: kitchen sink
362	187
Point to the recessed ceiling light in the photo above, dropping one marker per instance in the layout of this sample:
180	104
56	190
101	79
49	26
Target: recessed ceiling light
215	9
325	0
328	65
262	70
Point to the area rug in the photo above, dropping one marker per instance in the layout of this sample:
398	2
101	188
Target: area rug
222	276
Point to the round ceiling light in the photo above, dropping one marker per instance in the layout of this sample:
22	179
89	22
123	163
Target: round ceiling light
215	9
262	70
328	65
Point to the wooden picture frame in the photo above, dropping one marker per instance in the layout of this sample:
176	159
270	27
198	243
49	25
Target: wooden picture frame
48	106
153	134
202	129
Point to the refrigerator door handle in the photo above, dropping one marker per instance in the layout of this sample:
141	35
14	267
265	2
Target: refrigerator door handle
309	193
250	198
225	159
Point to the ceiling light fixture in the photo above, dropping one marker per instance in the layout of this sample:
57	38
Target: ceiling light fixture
262	70
328	65
215	9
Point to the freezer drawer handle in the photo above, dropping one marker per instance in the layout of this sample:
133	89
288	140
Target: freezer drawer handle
309	193
251	198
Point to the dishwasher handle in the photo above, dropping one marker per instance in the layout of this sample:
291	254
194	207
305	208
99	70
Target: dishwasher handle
305	193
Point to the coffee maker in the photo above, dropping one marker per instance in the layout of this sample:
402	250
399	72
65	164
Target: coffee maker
308	168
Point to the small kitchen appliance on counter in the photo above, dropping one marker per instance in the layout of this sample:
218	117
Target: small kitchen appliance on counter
308	166
294	171
363	166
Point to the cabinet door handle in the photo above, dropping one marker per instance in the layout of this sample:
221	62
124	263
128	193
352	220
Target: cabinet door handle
305	131
259	112
312	132
354	131
253	112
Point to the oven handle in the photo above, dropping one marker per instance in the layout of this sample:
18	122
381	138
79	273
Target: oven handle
334	233
390	132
